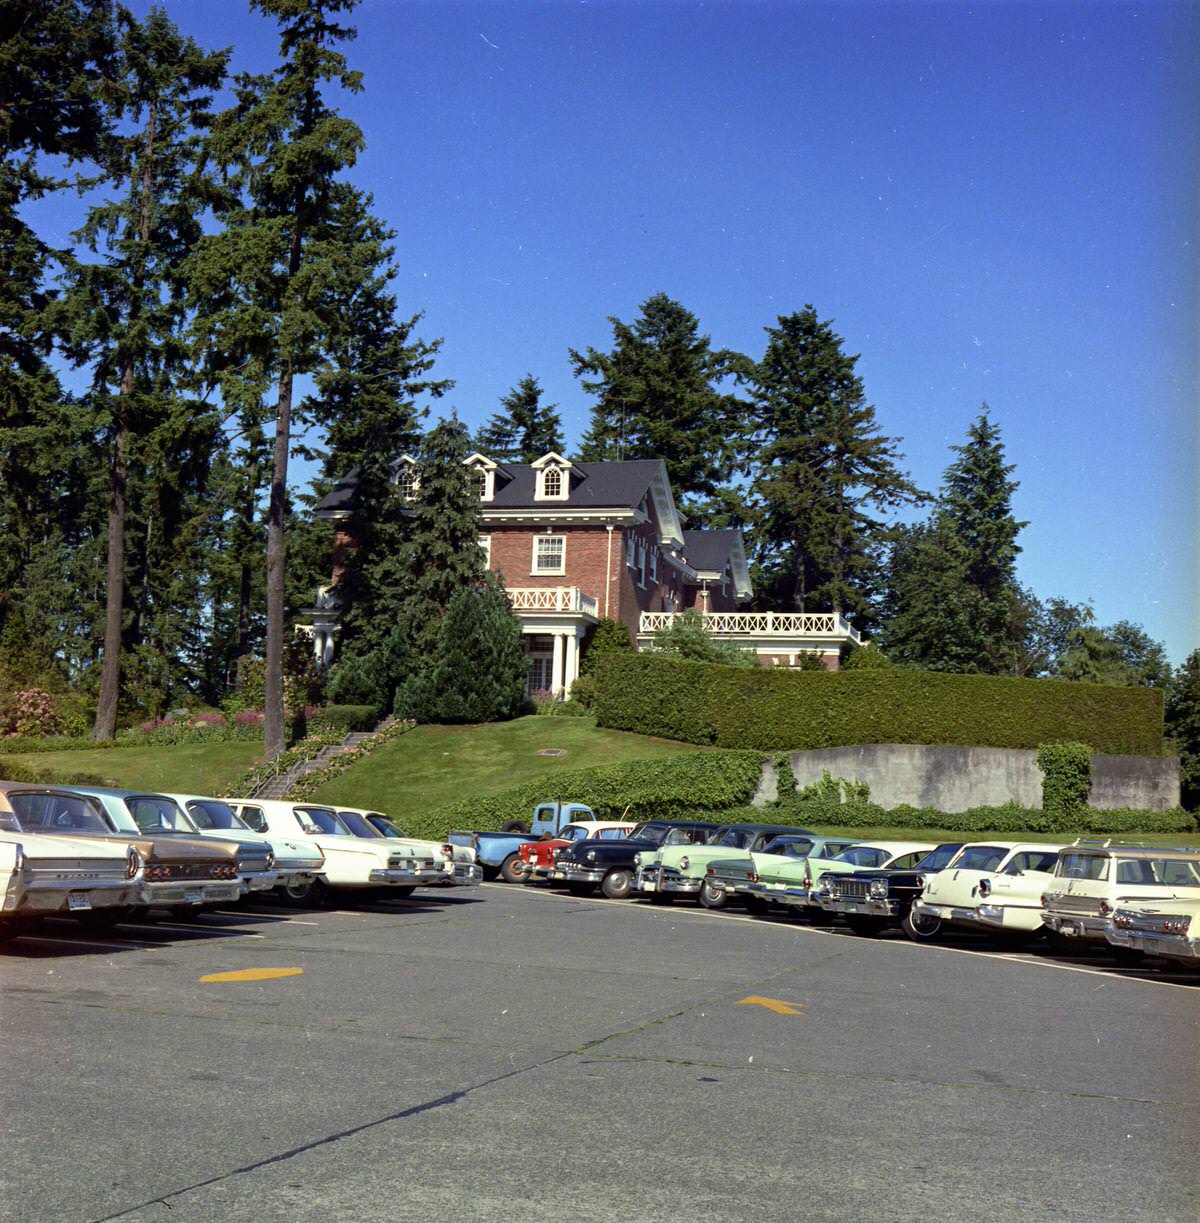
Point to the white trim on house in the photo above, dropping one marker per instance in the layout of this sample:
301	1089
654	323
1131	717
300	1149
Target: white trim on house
410	485
485	542
554	466
537	555
481	465
564	516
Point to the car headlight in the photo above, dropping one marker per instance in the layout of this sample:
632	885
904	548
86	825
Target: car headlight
590	855
683	863
878	889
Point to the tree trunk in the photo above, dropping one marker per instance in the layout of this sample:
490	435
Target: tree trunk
114	595
273	708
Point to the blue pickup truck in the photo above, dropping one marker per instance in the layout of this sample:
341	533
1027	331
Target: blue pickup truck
499	853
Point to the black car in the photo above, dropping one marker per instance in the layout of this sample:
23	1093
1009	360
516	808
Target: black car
610	864
870	901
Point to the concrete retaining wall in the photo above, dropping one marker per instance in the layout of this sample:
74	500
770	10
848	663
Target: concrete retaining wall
957	778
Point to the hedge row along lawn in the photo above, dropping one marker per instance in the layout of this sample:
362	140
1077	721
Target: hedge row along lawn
771	708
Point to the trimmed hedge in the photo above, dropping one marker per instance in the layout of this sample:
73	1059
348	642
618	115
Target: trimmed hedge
771	708
671	787
346	718
14	770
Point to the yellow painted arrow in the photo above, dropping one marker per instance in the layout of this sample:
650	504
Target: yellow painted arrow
773	1004
251	974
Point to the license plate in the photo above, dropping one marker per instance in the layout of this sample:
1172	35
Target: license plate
193	898
647	885
77	901
559	875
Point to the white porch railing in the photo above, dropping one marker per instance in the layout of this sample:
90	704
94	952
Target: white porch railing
760	624
551	598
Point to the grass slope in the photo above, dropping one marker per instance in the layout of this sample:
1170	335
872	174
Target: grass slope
435	765
193	768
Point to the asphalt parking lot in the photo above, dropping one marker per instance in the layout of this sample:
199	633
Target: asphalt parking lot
514	1053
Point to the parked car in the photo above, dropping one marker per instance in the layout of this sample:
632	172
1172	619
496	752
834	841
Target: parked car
610	864
42	875
796	883
297	860
681	870
990	885
179	873
455	864
871	900
1094	879
1168	928
537	857
499	853
730	878
352	864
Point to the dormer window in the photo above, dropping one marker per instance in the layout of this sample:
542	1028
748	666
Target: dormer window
552	478
483	475
408	481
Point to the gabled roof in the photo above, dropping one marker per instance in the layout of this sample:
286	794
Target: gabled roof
708	552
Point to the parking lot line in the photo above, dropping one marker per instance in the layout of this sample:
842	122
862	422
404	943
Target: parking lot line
87	943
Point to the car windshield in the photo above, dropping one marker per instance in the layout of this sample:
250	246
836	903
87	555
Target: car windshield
210	813
980	858
612	834
383	826
320	819
59	813
790	847
863	855
654	833
573	832
938	858
1032	860
157	813
357	825
1082	866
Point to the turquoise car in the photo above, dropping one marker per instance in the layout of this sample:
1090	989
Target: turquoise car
732	878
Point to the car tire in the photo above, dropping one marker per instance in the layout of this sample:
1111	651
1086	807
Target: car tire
513	870
712	897
513	826
616	884
920	929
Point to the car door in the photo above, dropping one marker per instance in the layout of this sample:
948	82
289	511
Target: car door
1023	879
958	884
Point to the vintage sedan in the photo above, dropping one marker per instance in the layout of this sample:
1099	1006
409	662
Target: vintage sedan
450	865
355	865
158	815
988	885
731	878
179	873
609	865
465	871
797	883
1168	928
871	900
41	875
1094	879
681	870
537	857
297	860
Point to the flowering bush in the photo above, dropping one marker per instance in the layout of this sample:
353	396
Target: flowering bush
34	714
248	717
209	718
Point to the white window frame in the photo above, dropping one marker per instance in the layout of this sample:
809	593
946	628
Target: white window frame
535	556
407	467
485	542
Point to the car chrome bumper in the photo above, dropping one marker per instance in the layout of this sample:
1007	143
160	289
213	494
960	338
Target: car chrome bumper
464	875
654	880
66	896
1076	925
393	876
578	874
259	881
866	905
1155	942
784	896
190	892
950	913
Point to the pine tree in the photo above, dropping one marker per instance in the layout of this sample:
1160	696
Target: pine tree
659	398
267	280
525	430
824	474
124	313
1183	725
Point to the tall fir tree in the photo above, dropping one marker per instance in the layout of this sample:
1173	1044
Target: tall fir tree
1183	726
659	396
124	313
824	475
267	280
524	429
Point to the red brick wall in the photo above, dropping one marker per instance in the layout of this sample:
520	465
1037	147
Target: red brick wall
512	557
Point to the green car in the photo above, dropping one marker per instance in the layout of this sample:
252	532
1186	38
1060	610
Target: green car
680	870
794	883
730	878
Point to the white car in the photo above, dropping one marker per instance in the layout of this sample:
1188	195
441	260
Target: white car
456	866
351	863
993	885
298	859
1169	928
40	875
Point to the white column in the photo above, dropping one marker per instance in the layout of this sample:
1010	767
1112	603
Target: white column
572	660
556	667
318	647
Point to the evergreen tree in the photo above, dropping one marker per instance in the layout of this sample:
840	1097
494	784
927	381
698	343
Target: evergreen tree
658	397
123	314
525	430
608	637
1123	654
268	279
687	638
1183	725
823	475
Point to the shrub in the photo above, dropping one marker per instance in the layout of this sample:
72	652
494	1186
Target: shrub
687	638
867	657
772	708
830	789
345	718
1066	776
32	713
638	789
607	638
583	691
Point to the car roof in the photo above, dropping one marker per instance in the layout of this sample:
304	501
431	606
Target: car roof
1175	853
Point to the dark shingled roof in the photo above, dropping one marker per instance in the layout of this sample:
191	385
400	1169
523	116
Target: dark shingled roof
709	550
593	486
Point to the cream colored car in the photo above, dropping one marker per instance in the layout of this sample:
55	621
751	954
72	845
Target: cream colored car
1170	928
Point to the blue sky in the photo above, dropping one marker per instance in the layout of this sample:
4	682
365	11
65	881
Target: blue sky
994	202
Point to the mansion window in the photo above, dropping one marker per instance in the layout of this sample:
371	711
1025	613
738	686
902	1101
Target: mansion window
407	480
481	483
549	554
553	478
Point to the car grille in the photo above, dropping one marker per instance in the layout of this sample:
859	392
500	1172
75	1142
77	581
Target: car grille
850	889
1063	903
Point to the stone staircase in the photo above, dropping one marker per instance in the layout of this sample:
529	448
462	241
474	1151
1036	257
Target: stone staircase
280	785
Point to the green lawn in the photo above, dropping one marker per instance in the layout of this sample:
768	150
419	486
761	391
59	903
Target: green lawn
192	768
435	765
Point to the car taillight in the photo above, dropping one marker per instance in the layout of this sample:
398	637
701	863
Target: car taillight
447	852
133	863
1105	908
752	877
985	887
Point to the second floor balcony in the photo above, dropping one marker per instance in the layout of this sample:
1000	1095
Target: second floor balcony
762	627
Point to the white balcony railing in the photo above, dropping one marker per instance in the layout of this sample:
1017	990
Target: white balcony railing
552	598
749	625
